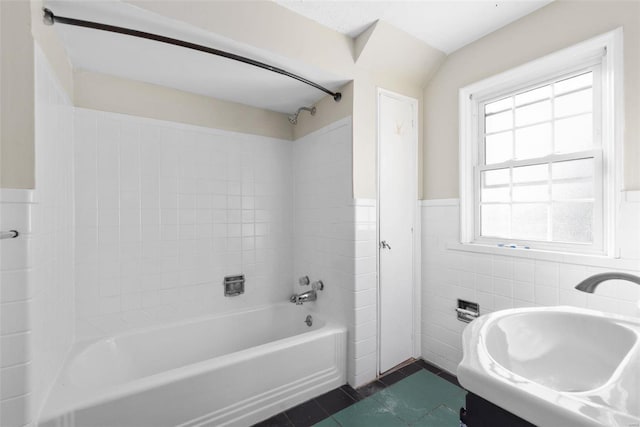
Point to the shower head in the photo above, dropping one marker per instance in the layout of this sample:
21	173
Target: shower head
293	119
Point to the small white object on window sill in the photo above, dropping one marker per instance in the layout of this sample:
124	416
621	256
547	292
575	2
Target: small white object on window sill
537	254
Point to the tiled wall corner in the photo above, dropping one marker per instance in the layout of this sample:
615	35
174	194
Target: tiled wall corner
363	344
499	282
334	241
323	217
52	275
164	211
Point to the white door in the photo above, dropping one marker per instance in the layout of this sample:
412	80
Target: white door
397	196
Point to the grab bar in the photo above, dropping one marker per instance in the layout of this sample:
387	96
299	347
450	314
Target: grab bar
11	234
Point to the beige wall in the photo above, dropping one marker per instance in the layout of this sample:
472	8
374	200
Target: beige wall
327	111
16	96
385	57
556	26
382	57
21	22
108	93
393	60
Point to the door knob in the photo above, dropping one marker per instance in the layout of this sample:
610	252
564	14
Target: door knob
384	244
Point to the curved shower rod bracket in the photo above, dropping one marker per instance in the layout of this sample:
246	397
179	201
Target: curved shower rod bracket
50	18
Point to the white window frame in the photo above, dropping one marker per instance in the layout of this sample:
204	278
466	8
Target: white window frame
607	50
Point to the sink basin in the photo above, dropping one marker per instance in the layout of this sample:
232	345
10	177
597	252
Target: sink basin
556	365
563	351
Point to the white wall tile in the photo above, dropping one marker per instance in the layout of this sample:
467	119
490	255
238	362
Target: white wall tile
176	217
334	240
15	285
15	381
546	273
16	412
15	349
502	282
14	317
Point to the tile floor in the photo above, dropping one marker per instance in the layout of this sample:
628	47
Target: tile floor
418	395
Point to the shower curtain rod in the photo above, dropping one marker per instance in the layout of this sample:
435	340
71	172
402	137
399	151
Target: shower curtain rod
49	19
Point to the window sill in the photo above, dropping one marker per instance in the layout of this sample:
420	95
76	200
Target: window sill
536	254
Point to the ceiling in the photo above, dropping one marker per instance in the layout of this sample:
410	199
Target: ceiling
165	65
446	25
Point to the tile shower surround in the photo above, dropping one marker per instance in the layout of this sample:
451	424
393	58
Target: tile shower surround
499	282
165	211
193	205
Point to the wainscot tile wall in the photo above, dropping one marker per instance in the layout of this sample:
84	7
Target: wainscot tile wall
499	282
36	270
164	211
16	298
363	343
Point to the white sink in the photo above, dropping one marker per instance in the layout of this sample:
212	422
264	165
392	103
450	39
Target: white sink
556	366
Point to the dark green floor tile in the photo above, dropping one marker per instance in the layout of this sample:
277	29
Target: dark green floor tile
328	422
420	393
367	413
439	417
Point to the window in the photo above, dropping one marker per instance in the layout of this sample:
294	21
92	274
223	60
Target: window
540	151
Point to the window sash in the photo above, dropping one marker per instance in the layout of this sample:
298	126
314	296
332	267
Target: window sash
596	111
598	206
596	246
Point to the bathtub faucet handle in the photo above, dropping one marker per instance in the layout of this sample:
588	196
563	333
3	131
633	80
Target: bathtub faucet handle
317	285
304	281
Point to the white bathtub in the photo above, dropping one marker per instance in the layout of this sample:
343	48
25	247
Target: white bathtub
227	370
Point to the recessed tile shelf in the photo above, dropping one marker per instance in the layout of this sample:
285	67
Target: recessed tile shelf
418	394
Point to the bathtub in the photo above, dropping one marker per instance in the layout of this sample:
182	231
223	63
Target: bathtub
231	370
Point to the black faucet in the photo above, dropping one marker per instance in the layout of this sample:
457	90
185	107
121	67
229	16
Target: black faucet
591	283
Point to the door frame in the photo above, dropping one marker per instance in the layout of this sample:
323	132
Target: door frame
416	235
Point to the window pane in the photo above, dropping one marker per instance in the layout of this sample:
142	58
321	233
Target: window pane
572	222
494	220
572	190
533	141
496	177
496	194
533	113
498	147
498	122
573	103
500	105
531	193
530	222
530	174
572	169
573	83
533	95
574	134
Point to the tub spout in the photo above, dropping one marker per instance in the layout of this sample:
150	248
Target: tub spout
308	296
